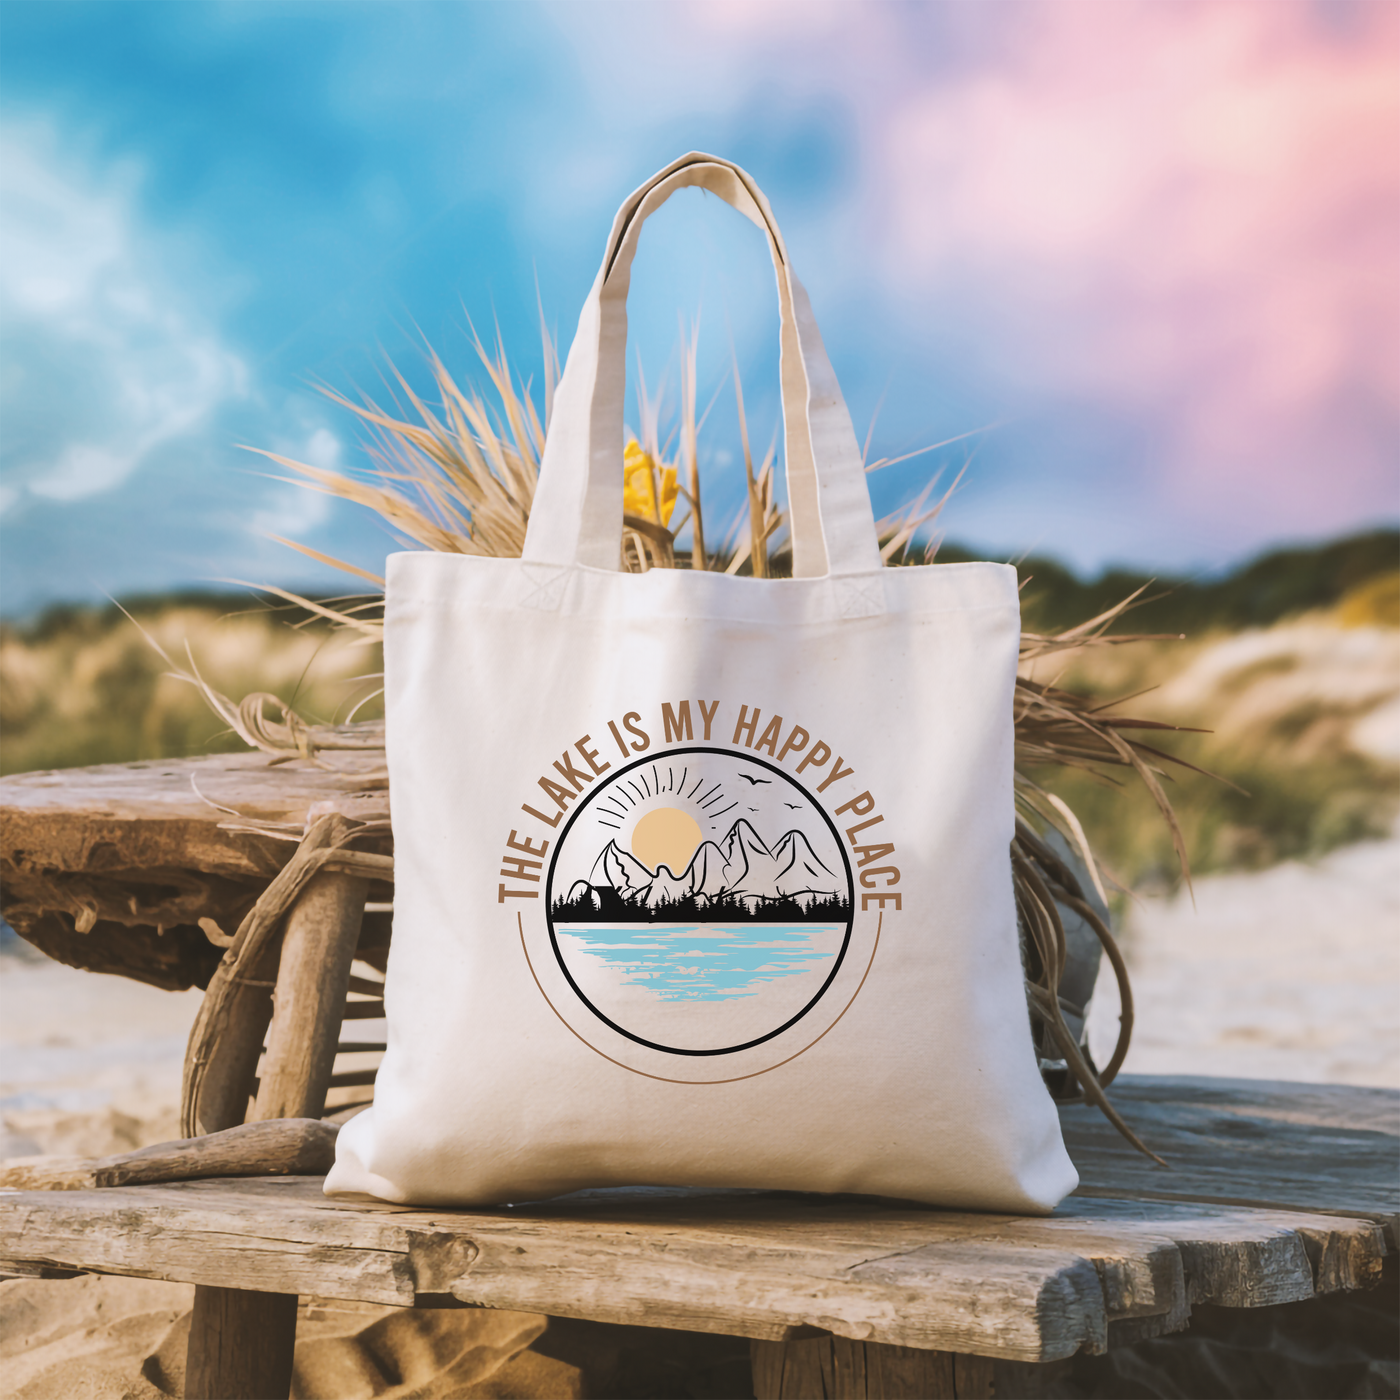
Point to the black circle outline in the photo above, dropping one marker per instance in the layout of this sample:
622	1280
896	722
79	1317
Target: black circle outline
671	1049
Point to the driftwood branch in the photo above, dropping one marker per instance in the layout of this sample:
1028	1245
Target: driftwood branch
231	1021
278	1147
313	977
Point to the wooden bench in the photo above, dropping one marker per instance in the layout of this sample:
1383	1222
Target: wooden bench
1276	1193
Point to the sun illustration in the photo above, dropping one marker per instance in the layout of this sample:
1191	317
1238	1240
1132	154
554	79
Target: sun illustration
663	835
666	836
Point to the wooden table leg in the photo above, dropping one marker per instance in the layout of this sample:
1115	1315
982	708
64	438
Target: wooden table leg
313	978
227	1038
241	1345
835	1368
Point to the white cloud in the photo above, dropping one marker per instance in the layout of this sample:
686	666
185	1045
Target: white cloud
104	360
288	508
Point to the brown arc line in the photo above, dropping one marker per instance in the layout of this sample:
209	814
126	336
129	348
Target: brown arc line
520	922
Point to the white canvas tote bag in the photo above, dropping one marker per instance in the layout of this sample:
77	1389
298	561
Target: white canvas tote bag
702	880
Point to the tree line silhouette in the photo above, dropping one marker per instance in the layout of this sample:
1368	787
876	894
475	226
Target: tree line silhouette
603	904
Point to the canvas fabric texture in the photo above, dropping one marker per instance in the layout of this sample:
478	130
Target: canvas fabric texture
702	880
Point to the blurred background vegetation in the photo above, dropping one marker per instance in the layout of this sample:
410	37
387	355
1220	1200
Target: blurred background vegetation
81	685
1293	661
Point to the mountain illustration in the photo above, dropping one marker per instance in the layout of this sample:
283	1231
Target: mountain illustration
620	870
738	877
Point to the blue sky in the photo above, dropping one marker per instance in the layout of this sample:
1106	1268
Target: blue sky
1149	246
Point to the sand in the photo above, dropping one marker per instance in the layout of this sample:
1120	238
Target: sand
1289	973
125	1339
89	1064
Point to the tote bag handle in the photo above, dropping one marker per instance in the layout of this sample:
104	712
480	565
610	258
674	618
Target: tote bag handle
577	513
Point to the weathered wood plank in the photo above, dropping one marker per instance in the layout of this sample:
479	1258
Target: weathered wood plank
165	808
112	867
741	1263
1132	1244
279	1240
1240	1257
1299	1147
1023	1302
213	1233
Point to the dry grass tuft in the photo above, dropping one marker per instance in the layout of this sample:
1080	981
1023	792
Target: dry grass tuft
459	480
1064	729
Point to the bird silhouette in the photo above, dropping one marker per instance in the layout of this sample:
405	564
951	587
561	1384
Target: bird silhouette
796	806
754	781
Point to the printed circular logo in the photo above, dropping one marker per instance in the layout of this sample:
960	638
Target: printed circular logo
699	904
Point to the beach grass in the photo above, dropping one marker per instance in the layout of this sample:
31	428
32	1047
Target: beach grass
1303	726
84	685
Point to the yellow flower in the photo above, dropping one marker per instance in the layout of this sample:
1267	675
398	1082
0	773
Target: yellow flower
639	485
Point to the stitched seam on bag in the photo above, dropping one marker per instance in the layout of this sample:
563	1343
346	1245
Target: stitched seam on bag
908	612
548	584
860	597
546	590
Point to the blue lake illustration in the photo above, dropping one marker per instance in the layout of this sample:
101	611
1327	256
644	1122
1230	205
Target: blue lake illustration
710	962
700	984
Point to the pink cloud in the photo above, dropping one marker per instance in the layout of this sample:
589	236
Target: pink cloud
1187	211
1191	209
